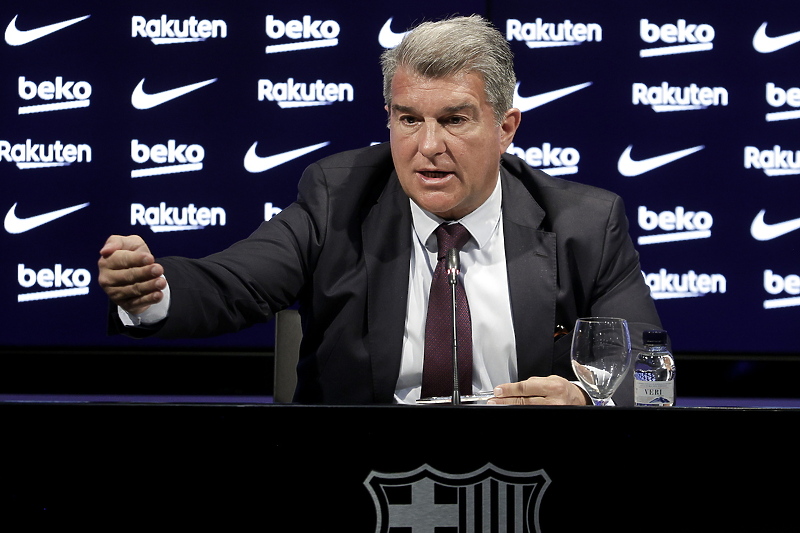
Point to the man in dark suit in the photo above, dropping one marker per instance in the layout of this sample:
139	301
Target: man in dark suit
357	248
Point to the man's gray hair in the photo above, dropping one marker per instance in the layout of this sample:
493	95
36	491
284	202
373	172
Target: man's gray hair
453	46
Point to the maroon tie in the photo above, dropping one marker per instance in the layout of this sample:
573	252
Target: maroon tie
437	370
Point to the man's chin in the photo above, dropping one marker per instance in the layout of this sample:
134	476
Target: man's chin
446	210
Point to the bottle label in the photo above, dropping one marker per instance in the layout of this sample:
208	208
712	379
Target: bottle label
655	393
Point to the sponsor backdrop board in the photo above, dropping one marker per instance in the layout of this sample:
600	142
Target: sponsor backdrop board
190	123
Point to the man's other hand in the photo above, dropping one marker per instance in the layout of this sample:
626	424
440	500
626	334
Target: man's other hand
129	274
550	390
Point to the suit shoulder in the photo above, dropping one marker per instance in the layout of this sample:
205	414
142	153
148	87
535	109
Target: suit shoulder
543	186
378	156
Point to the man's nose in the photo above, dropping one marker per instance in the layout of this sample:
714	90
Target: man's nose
431	139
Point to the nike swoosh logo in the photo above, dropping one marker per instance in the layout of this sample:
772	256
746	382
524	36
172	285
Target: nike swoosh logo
761	231
143	100
766	45
526	103
16	37
15	225
628	167
387	38
255	164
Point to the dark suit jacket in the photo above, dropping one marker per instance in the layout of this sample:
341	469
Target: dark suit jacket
343	250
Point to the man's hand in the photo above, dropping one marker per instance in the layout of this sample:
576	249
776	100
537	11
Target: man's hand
129	274
552	390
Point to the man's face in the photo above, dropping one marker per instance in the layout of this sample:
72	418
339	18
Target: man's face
445	142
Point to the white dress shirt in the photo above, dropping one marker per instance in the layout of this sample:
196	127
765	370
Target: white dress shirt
485	280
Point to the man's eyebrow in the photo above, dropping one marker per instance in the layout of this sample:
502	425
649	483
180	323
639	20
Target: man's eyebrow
447	110
402	108
460	107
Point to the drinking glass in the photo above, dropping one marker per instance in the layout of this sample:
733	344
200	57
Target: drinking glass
601	355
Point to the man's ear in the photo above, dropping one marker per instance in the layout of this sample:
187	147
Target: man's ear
508	128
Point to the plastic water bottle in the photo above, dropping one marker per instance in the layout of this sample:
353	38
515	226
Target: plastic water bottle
654	372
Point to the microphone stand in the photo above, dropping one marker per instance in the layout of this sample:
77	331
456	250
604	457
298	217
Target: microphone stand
452	274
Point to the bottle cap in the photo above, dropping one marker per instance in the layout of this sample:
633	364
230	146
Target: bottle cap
654	336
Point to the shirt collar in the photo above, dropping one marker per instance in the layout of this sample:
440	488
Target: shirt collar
481	223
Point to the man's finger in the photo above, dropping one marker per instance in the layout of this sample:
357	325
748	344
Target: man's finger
131	243
539	391
137	297
529	387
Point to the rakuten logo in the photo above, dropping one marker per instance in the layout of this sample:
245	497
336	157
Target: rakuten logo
553	160
163	219
60	282
315	34
775	284
173	31
682	38
777	97
664	97
775	162
175	158
540	34
33	155
73	94
291	94
681	224
665	285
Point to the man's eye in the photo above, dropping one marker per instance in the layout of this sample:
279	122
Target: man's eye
408	120
456	120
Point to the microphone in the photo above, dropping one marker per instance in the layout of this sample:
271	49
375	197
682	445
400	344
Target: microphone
453	265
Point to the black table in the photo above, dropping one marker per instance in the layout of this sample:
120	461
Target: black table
360	469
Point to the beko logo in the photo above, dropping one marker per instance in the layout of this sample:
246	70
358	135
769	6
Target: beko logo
254	163
526	103
143	100
778	97
164	218
178	157
766	45
16	37
34	155
172	31
681	225
664	97
292	94
775	162
314	34
665	285
627	166
682	38
270	210
540	34
776	284
73	94
60	282
555	161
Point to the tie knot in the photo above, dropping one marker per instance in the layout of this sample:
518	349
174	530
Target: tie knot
450	236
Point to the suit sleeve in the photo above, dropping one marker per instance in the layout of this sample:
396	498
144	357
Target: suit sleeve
251	280
620	290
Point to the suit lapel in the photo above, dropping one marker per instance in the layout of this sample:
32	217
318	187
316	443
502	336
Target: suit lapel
531	264
386	236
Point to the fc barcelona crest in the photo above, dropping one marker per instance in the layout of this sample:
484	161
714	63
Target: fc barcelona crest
427	500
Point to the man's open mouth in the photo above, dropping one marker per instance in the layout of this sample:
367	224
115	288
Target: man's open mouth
434	174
